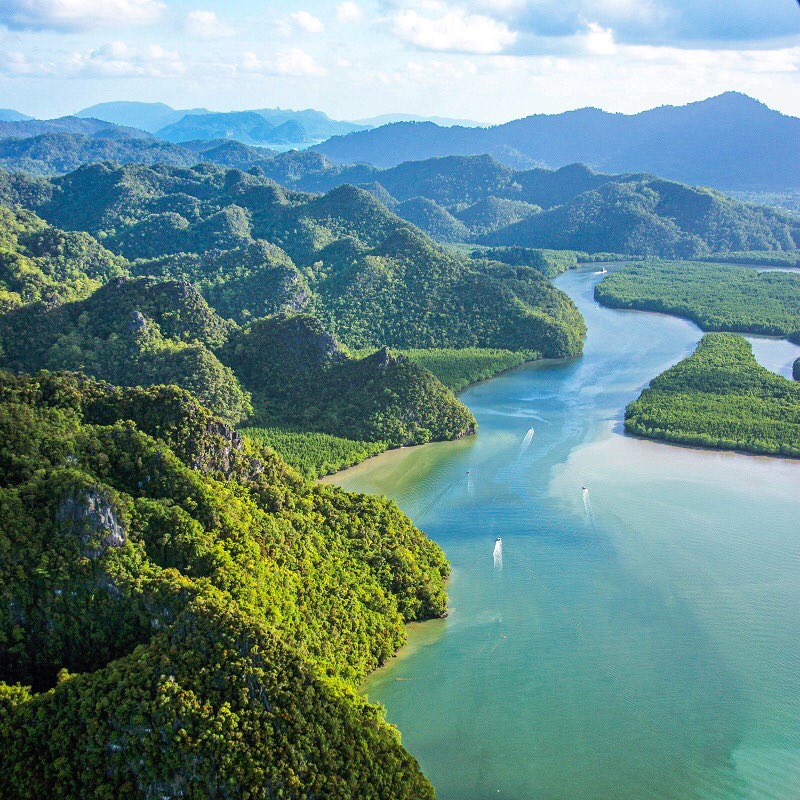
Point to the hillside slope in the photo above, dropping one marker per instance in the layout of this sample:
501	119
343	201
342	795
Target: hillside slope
653	218
192	617
147	332
729	142
372	278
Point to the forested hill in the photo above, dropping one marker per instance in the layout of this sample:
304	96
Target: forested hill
729	142
476	199
183	615
282	369
254	248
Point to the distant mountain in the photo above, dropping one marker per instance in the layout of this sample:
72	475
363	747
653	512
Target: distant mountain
149	117
318	125
445	122
266	126
54	153
22	129
652	217
475	199
244	126
729	142
9	115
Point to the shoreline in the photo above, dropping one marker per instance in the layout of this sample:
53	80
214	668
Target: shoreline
387	454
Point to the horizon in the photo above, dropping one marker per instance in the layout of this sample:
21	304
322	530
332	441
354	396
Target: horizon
422	118
485	60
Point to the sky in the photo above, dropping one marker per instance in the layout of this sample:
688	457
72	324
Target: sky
488	60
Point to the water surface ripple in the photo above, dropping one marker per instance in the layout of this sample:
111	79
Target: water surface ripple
642	638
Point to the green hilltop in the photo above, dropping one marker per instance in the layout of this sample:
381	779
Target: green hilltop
144	332
373	278
183	614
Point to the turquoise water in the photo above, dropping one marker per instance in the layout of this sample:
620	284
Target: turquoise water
640	640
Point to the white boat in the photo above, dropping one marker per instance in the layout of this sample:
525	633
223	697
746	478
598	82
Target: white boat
602	271
498	540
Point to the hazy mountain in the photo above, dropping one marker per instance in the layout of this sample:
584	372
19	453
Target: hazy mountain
149	117
22	129
445	122
54	153
9	115
266	126
731	142
317	124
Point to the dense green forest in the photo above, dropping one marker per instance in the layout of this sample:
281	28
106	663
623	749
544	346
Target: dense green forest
717	297
314	454
653	217
189	616
41	263
282	369
371	277
457	369
721	397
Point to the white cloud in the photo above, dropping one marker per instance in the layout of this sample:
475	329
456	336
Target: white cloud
207	25
349	12
120	60
452	29
306	22
68	15
15	63
288	63
113	60
597	40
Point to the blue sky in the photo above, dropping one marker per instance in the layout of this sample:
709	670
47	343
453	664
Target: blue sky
489	60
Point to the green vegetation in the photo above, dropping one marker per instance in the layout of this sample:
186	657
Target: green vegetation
789	259
721	397
717	297
314	454
144	332
309	382
459	368
653	218
372	278
190	615
432	218
551	263
130	333
38	262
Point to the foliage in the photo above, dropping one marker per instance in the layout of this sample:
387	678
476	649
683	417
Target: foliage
721	397
550	263
371	277
432	218
310	382
653	218
761	258
457	369
314	454
130	332
717	297
38	262
218	618
144	332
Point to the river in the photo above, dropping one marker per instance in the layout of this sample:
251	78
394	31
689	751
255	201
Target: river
640	639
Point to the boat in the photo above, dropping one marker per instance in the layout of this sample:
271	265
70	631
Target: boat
602	271
498	540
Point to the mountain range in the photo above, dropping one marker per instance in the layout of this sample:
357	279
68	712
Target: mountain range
729	142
